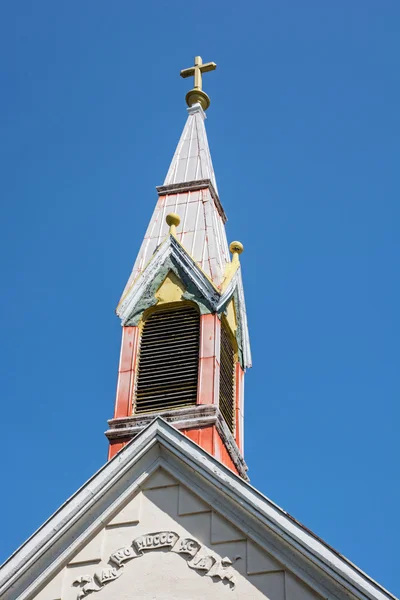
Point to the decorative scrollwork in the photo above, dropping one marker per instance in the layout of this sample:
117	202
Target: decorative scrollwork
198	558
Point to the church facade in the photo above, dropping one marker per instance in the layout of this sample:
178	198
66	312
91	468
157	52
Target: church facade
172	514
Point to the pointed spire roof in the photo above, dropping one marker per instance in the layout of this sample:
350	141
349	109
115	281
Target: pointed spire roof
190	191
192	158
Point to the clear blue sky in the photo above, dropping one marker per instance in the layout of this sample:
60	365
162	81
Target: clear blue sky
304	130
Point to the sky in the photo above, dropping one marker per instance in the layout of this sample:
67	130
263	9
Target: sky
304	131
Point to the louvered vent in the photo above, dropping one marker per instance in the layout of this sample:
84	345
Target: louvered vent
168	360
226	380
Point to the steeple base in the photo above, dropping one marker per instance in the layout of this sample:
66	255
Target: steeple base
203	424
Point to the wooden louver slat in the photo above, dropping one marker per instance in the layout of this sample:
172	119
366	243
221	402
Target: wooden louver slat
168	360
226	381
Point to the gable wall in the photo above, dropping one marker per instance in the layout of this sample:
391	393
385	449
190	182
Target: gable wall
163	505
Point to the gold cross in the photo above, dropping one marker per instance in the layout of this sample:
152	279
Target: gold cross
197	71
196	95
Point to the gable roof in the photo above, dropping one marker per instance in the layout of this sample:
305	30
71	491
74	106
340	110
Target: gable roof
215	298
160	445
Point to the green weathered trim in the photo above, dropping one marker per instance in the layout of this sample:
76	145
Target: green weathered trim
149	299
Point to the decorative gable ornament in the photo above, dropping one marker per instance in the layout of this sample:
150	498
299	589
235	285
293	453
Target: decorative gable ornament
172	256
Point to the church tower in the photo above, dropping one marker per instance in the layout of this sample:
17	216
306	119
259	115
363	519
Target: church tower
185	343
171	514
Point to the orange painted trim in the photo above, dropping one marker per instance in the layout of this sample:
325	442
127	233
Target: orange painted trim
208	335
192	434
126	372
221	453
208	370
209	439
206	438
208	380
115	447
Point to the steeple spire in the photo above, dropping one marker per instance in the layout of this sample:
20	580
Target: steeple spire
190	190
185	343
192	158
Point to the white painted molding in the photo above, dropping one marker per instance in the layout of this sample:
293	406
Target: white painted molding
197	108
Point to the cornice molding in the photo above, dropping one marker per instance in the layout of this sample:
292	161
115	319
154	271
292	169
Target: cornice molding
198	415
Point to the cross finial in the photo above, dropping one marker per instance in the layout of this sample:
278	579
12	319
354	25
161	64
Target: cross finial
197	94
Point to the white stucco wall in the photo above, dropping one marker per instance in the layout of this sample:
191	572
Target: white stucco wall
163	505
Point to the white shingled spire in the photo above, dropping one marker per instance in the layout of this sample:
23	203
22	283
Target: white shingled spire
190	190
192	158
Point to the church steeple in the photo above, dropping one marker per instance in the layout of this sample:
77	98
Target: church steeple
185	343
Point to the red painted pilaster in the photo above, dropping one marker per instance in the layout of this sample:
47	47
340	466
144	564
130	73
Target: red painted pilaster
126	372
209	439
221	453
210	337
116	446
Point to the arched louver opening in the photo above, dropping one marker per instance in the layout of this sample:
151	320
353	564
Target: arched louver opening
226	377
168	360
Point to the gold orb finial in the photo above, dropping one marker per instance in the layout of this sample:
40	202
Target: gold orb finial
198	97
173	221
236	247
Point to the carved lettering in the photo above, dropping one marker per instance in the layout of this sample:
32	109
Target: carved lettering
107	575
187	546
200	561
152	541
122	555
